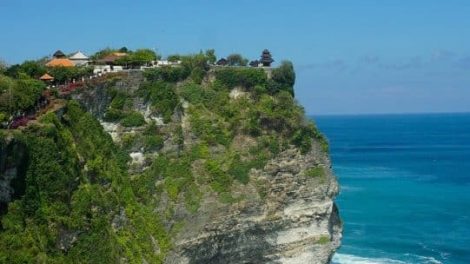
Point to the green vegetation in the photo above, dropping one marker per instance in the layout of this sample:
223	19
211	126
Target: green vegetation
177	178
197	65
105	52
120	110
135	58
152	139
33	69
18	94
244	77
167	74
63	74
75	183
236	60
161	96
133	119
209	128
283	78
36	68
174	57
323	240
138	57
315	172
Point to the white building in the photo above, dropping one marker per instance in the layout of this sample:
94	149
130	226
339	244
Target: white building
107	68
161	63
79	59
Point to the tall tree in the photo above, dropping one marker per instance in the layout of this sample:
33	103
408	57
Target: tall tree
210	54
3	66
236	60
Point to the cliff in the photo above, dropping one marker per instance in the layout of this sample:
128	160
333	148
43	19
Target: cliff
168	166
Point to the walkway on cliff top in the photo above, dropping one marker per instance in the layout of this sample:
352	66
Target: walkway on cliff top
55	104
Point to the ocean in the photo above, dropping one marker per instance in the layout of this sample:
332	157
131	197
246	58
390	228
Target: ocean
405	187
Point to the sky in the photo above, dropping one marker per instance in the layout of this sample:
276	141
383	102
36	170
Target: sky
351	57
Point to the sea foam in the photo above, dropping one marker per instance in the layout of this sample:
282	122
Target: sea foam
351	259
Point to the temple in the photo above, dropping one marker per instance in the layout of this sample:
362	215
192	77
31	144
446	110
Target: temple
266	58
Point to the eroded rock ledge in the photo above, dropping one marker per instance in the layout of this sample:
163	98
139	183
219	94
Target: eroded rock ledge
296	222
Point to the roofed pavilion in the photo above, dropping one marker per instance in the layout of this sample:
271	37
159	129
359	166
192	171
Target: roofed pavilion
266	58
46	77
59	54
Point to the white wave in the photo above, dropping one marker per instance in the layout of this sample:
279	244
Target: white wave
429	260
351	259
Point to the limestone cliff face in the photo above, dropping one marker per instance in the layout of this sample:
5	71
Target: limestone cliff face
296	222
283	214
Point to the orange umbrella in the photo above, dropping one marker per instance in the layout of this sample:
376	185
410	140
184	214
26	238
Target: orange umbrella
46	77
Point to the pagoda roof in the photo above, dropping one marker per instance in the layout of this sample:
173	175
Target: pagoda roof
58	54
46	77
60	63
254	63
222	61
78	56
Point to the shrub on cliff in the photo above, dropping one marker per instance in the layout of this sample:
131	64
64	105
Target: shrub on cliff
244	77
161	96
32	68
133	119
236	60
75	184
64	74
283	78
167	74
19	94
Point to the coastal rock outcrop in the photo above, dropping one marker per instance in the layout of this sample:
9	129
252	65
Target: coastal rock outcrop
168	166
295	220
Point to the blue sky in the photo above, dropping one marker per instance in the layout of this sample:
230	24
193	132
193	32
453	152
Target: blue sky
351	57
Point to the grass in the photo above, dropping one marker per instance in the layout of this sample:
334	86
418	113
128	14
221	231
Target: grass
315	172
323	240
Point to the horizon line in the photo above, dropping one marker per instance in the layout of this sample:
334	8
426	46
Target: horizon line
389	113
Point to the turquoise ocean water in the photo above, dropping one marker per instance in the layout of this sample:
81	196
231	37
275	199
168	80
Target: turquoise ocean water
405	187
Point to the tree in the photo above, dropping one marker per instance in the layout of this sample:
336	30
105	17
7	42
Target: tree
174	57
124	50
32	68
210	54
236	60
13	71
3	66
144	55
283	78
20	93
195	61
63	74
139	57
102	53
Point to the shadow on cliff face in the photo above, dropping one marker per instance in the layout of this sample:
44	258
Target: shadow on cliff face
245	246
13	165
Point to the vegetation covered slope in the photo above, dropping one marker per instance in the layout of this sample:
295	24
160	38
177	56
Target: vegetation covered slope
80	199
77	204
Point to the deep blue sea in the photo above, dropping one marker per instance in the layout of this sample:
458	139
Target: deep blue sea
405	187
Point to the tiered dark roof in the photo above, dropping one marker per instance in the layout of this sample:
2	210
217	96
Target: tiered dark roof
59	54
266	58
254	63
222	62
